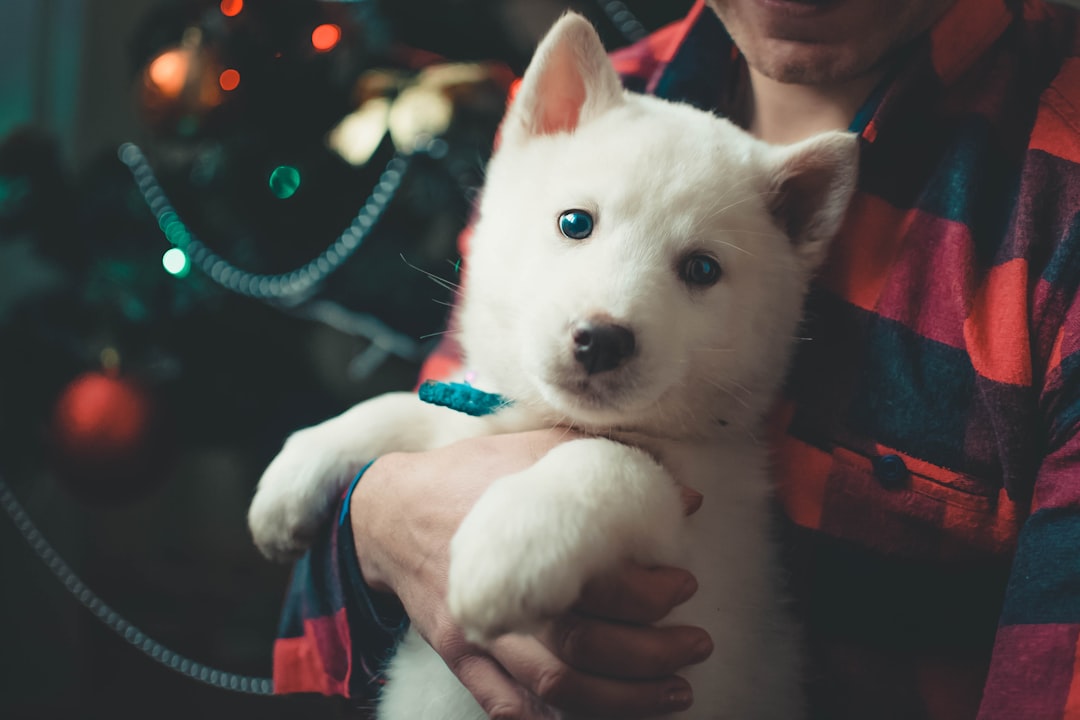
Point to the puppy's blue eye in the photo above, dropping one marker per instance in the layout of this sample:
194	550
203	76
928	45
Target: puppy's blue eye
576	224
701	270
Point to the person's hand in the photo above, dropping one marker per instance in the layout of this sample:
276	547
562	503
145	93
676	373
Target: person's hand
601	659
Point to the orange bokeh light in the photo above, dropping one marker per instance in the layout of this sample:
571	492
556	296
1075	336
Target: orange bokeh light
229	80
325	37
169	72
231	8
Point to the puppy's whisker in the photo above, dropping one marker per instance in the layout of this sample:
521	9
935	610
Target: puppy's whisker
567	429
740	386
443	283
747	231
729	393
440	281
441	332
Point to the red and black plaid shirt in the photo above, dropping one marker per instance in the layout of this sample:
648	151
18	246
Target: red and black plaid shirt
928	447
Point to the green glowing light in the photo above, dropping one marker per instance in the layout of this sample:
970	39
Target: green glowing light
177	234
167	218
284	182
176	263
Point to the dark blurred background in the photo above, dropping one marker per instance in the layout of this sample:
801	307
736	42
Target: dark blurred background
140	393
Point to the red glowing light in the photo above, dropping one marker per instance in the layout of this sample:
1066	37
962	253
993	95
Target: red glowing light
229	80
325	37
231	8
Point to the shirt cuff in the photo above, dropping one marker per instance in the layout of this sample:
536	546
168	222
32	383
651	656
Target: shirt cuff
383	609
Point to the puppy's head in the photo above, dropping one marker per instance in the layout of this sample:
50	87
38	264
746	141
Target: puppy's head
637	263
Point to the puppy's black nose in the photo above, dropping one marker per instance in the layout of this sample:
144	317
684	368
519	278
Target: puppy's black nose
600	347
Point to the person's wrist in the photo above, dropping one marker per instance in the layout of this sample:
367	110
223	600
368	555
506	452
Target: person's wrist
365	520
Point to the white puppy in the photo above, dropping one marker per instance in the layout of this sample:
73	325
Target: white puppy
637	271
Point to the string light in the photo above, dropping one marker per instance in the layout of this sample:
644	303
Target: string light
288	288
325	38
231	8
176	263
229	80
112	619
284	181
630	27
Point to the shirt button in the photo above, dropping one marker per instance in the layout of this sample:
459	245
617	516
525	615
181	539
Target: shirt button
890	471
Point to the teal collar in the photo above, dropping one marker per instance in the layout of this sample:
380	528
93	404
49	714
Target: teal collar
463	398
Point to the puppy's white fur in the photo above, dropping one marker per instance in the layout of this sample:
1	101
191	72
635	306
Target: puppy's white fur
663	182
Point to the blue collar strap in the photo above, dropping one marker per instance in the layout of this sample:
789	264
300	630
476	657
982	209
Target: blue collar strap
463	398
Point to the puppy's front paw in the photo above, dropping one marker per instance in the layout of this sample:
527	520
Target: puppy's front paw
295	494
513	565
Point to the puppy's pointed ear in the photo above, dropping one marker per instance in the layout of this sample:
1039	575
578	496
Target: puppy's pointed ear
569	82
810	185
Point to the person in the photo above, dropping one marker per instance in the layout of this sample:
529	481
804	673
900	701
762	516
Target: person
927	450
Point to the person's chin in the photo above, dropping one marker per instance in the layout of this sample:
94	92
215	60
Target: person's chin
804	63
823	41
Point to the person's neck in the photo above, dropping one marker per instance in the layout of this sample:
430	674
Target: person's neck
784	113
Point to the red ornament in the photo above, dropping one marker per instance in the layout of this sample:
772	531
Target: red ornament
110	444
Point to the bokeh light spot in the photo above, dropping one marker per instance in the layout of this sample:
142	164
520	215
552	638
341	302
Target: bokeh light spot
231	8
284	181
175	261
229	80
325	37
110	359
168	72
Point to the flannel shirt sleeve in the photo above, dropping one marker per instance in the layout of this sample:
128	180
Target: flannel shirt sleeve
1035	667
335	633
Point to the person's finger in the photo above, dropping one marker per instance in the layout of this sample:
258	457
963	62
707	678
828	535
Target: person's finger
632	652
497	693
570	690
500	695
636	594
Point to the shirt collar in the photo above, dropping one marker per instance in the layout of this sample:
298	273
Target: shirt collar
964	33
704	61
